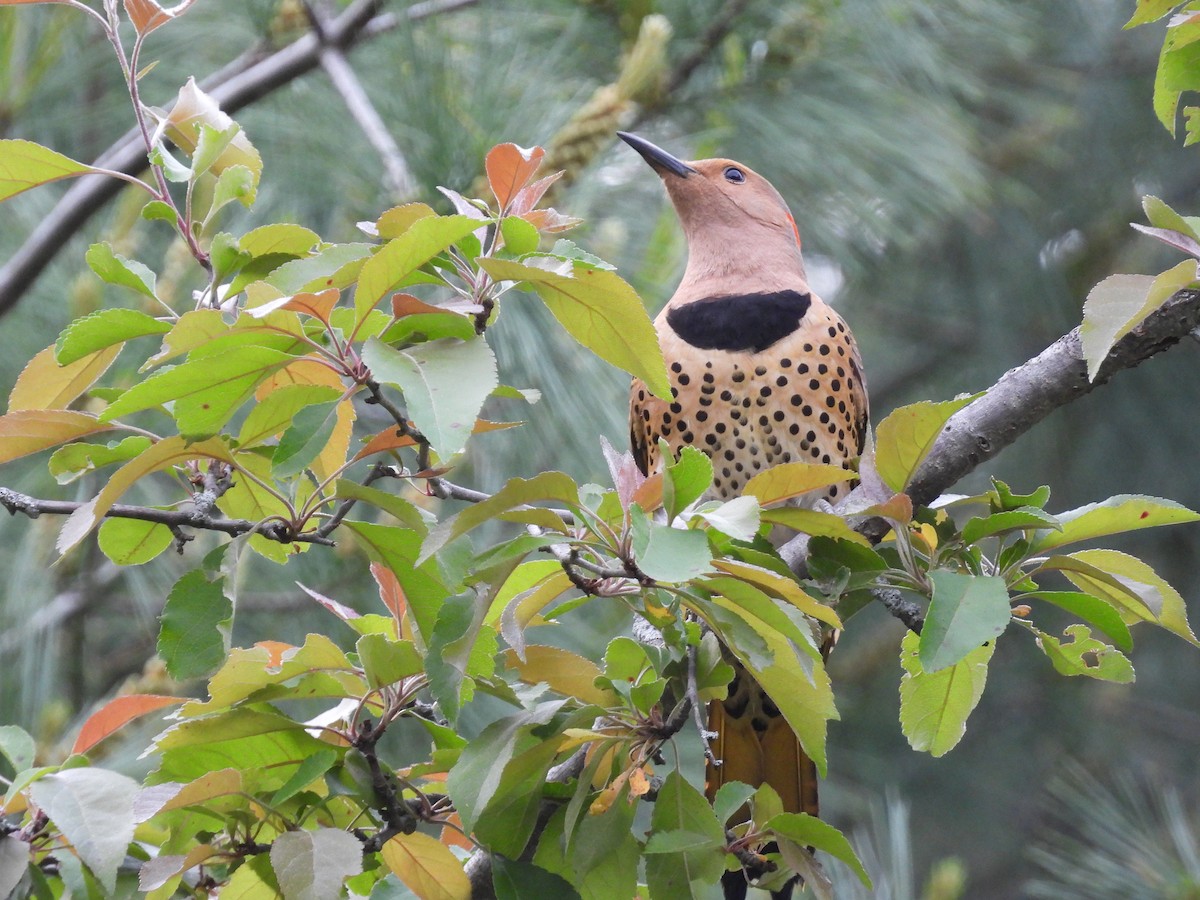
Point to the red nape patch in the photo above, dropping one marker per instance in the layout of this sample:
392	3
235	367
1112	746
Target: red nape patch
795	230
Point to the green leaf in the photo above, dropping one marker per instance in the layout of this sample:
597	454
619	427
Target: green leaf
1124	512
668	554
116	269
1150	11
206	391
809	831
1084	655
686	852
312	865
444	382
401	256
1022	519
934	706
731	796
685	480
905	437
102	329
1159	602
17	747
304	439
131	542
520	237
14	863
515	880
459	649
93	808
235	183
600	310
310	770
965	612
1092	610
517	492
386	661
814	522
1159	215
275	412
75	460
423	583
1120	303
335	265
210	144
276	239
24	164
194	637
603	859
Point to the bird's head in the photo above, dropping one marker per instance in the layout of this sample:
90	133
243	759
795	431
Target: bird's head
732	216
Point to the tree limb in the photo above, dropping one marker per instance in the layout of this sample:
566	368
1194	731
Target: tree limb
239	84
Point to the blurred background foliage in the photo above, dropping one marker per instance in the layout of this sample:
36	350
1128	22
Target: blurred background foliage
962	172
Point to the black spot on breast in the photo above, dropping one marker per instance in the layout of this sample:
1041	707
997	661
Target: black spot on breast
739	321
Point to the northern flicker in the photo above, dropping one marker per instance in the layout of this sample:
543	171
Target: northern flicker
763	372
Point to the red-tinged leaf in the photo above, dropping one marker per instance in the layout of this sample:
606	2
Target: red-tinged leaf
1171	238
529	196
898	509
44	384
390	591
28	431
24	164
340	610
146	15
318	306
116	713
509	169
626	476
165	453
392	439
550	220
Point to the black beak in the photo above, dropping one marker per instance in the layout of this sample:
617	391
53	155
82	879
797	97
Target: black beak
659	159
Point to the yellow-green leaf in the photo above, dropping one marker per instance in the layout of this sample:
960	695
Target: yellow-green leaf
1124	512
1160	603
796	479
565	672
905	437
131	542
24	164
427	867
934	706
44	384
30	430
1084	655
600	310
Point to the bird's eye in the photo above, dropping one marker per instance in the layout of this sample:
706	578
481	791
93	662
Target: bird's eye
734	174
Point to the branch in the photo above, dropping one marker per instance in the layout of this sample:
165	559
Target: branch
239	84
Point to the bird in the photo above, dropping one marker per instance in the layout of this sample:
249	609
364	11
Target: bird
763	372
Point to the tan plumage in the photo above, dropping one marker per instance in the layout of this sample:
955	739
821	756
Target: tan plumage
763	372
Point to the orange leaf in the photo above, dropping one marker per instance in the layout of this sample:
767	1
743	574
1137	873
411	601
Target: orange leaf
550	220
30	430
275	651
898	509
527	198
391	439
318	305
509	169
408	305
44	384
302	371
116	713
390	591
333	456
452	837
146	15
649	494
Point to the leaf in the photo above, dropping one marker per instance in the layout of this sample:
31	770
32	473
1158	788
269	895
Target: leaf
386	661
93	808
565	672
519	236
305	439
509	168
312	865
1124	512
15	859
905	437
601	311
423	583
790	480
195	620
193	112
934	706
739	518
1159	602
444	382
1162	216
167	452
1150	10
809	831
780	586
132	542
685	480
102	329
515	880
30	430
427	866
669	554
17	747
517	492
397	220
116	269
424	239
965	612
333	266
275	412
459	649
1092	610
44	384
1084	655
310	770
1023	519
673	871
115	714
1120	303
814	522
279	239
24	164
